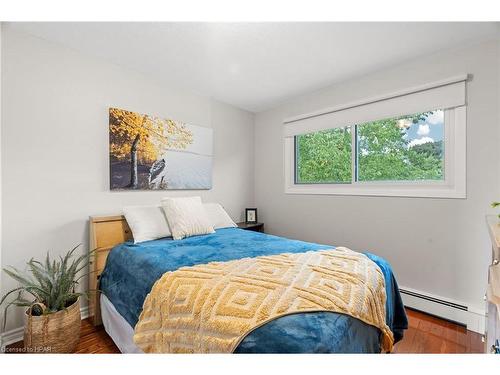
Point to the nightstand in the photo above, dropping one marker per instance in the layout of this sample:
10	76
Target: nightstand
256	227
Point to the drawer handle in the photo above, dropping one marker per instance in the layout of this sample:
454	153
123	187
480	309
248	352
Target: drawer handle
495	262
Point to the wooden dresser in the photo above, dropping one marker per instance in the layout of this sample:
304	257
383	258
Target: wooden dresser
493	289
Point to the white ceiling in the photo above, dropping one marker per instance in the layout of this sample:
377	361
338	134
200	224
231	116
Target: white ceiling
255	66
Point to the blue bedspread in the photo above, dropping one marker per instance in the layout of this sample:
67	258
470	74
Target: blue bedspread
131	270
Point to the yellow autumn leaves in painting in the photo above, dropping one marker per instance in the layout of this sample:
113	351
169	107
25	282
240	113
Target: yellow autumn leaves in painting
151	135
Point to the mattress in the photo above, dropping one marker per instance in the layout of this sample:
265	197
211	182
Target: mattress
117	327
132	269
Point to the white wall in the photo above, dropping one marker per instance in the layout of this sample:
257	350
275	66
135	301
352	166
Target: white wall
55	146
498	90
1	311
436	246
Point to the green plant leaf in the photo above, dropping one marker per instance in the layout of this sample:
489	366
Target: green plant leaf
51	282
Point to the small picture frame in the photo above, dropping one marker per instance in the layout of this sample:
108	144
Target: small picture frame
251	215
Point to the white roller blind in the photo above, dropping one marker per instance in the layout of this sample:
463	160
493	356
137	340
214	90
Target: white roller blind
441	95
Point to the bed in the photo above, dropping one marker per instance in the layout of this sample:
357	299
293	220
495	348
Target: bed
131	270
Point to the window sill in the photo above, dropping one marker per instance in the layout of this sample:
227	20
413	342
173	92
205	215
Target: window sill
408	191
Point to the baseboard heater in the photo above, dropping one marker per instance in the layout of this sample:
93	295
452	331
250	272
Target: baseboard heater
435	300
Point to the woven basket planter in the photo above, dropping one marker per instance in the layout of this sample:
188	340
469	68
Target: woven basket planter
53	333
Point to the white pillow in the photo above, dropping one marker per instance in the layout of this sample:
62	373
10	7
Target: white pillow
146	222
186	217
218	216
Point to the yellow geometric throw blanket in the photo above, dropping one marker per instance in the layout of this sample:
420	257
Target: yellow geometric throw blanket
210	308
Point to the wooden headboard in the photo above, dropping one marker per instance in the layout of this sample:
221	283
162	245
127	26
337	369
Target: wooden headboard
105	233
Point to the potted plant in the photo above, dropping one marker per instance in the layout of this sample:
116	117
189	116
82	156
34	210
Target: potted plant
495	205
53	306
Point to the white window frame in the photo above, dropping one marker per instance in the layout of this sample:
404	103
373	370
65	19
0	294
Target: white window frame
453	185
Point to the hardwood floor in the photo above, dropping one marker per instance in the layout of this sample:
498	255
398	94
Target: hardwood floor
426	334
95	340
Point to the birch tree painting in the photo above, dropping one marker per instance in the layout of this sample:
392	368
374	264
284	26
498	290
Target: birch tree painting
150	153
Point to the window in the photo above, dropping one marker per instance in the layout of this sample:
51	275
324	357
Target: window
420	154
324	157
408	148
